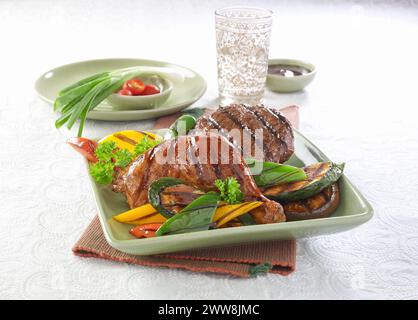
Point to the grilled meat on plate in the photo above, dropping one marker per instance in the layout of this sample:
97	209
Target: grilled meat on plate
275	144
198	160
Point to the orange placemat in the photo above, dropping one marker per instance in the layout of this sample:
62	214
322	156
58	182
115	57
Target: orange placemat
243	260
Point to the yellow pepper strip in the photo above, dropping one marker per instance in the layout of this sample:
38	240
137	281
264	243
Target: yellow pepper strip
224	208
135	214
147	214
234	211
155	218
127	139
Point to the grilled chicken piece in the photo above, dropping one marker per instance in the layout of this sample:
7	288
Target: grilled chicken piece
277	138
198	160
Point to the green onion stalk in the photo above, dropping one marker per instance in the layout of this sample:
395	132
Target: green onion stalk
77	100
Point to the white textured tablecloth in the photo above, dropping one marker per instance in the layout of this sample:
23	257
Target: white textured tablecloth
361	109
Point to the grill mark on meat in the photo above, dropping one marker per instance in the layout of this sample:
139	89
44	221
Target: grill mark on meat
282	142
227	123
277	130
147	160
265	123
243	126
197	163
277	116
222	131
270	132
176	152
225	159
283	119
216	166
214	124
193	152
212	167
237	169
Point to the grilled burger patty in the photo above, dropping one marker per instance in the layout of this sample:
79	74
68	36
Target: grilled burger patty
277	138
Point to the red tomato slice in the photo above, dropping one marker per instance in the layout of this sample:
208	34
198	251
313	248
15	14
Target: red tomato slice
135	86
125	92
150	89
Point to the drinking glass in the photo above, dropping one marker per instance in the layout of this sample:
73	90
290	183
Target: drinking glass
242	42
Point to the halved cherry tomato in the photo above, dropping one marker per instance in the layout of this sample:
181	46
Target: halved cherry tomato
125	92
135	86
84	146
150	89
145	231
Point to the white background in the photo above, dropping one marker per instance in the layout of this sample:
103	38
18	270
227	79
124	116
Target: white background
360	109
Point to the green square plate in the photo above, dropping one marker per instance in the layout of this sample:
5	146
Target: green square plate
353	210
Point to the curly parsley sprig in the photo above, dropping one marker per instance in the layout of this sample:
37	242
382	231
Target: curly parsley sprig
145	144
109	157
230	190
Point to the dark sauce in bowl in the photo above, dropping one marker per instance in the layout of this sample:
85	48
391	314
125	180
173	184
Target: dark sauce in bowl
286	70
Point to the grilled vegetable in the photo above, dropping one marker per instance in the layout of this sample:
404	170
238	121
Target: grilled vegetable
136	214
142	215
228	212
320	175
175	198
154	218
321	205
129	139
196	216
154	194
268	174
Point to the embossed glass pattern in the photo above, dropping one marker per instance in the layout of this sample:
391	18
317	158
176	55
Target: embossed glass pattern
242	41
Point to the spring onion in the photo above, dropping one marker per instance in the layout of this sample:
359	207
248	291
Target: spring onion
78	99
